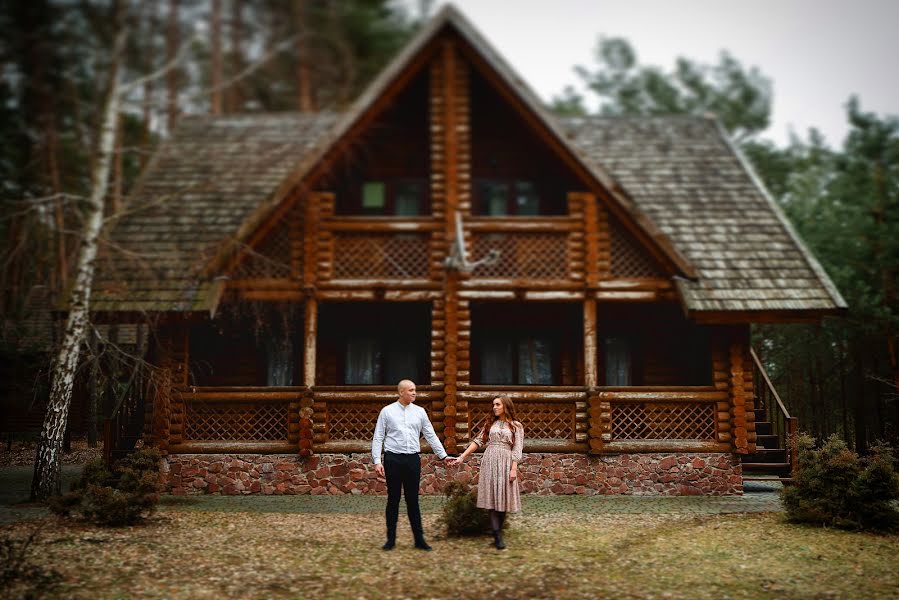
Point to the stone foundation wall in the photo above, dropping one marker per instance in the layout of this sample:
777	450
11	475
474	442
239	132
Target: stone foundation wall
541	474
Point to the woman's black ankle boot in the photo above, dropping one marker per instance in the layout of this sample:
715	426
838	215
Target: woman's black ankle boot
498	539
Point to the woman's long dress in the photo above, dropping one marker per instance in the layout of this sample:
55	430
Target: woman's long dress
494	489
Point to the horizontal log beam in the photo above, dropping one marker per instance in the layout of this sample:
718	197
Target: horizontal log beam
236	447
383	224
660	396
380	284
351	396
527	224
259	397
239	388
635	284
635	446
523	396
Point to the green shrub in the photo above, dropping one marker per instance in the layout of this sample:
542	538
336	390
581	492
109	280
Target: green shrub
123	496
461	516
832	486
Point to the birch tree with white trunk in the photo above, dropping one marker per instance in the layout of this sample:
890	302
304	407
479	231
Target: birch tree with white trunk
46	481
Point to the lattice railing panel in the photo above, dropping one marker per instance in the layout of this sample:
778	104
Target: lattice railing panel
629	258
663	421
373	255
541	420
356	420
269	259
523	255
237	421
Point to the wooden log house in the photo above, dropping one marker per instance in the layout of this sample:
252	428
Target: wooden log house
298	265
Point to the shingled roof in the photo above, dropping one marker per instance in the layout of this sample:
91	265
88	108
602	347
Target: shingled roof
678	178
200	189
686	175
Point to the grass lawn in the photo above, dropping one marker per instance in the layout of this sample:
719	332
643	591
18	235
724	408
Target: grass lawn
183	552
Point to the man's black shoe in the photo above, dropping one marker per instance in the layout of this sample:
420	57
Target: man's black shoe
423	545
388	545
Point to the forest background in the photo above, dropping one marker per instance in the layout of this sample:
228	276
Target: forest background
241	56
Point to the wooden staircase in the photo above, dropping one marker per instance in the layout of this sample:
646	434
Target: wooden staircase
774	457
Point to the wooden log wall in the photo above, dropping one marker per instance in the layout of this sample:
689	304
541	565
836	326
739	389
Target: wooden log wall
742	408
161	387
721	382
450	193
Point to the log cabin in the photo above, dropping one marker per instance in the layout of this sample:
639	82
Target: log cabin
603	272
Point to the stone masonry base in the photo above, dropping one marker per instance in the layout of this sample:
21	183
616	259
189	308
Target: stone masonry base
541	474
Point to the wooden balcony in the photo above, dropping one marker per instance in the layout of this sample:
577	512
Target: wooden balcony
660	419
556	418
234	419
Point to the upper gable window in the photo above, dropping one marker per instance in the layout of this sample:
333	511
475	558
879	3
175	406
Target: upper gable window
399	198
501	197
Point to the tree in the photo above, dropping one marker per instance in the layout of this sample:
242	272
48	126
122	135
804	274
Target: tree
840	375
739	98
46	464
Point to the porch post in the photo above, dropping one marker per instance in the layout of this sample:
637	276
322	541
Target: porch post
590	358
310	329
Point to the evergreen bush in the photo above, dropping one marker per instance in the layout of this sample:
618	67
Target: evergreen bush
461	516
833	486
123	496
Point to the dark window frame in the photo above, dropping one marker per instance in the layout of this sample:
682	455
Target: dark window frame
480	202
391	186
517	339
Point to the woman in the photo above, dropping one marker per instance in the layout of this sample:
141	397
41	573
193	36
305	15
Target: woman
503	437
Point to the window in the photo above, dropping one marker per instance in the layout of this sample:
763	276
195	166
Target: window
618	354
401	198
518	360
496	197
378	361
373	197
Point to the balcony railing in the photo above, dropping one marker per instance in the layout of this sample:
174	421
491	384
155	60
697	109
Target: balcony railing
652	419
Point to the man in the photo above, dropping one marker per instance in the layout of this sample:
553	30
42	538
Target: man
400	427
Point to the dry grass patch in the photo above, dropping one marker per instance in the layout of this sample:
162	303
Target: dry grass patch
203	554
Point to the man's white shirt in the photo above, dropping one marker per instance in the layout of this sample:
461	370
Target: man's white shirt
399	429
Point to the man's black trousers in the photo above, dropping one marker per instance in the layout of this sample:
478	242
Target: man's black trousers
403	473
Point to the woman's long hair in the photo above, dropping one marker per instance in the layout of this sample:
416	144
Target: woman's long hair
492	418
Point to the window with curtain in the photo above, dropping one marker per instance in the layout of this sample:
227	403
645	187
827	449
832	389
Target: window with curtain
618	357
378	361
518	360
499	197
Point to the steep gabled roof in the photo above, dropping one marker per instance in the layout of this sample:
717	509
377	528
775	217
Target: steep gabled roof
688	177
402	64
201	187
678	178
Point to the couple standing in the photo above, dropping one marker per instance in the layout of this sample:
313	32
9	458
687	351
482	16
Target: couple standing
399	429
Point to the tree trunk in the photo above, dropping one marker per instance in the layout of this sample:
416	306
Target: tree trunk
47	461
235	96
216	58
304	84
172	41
861	438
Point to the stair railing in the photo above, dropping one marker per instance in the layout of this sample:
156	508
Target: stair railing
785	427
127	408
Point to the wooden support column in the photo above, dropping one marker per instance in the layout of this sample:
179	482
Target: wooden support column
591	238
315	249
450	193
721	381
590	355
738	396
603	244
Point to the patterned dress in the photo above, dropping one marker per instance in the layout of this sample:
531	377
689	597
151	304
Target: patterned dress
494	489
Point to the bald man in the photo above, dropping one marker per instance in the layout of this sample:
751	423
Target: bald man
399	429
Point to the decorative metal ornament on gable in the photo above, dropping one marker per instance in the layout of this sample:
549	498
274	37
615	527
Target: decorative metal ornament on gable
457	259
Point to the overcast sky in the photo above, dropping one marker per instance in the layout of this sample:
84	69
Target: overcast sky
816	52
